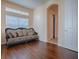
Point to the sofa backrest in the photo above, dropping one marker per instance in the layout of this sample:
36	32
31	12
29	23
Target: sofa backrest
10	33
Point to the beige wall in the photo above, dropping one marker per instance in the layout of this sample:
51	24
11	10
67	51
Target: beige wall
3	17
3	22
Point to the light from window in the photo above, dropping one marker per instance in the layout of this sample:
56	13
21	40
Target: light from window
17	11
16	22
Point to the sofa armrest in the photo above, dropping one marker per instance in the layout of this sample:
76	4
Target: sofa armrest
7	37
35	33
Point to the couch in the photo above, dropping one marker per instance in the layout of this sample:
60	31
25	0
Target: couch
19	35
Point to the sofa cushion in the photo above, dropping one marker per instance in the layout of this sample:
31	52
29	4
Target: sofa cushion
19	32
30	31
19	39
9	35
25	33
12	33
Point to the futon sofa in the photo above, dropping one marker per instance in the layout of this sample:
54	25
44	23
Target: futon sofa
19	35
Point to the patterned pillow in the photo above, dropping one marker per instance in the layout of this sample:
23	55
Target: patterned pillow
30	32
19	32
9	35
24	32
12	33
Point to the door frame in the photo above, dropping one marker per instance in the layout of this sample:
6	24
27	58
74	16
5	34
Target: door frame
48	29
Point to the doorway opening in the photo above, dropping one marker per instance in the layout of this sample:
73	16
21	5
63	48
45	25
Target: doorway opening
52	24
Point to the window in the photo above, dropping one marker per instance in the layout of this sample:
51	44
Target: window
15	22
16	11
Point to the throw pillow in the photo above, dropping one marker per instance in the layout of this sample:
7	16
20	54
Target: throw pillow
24	32
30	31
19	32
12	33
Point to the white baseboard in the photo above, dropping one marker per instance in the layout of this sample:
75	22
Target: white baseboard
62	46
68	48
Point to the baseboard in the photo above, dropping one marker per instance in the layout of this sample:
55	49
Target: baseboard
71	50
43	40
61	46
68	49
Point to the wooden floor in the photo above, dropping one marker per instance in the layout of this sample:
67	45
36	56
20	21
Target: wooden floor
37	50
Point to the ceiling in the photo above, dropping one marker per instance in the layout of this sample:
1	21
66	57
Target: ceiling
29	3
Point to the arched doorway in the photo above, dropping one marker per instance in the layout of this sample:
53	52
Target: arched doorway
52	24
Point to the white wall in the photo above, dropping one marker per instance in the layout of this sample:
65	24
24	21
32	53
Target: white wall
67	22
70	23
40	20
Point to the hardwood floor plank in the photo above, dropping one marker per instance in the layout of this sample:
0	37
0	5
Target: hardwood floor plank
37	50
